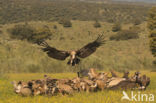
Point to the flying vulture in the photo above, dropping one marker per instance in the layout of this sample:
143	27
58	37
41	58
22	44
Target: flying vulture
75	55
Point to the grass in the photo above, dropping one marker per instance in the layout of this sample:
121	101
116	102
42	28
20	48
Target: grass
20	56
107	96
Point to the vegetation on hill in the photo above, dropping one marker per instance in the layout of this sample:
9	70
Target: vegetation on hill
13	11
48	19
22	56
152	27
125	35
29	33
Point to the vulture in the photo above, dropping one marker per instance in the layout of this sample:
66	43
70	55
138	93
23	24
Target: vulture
75	55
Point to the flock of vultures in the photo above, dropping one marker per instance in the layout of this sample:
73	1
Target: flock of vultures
89	81
94	82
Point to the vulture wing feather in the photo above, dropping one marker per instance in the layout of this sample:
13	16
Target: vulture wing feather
53	52
90	48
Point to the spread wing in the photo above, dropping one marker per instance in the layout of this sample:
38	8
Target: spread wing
53	52
90	48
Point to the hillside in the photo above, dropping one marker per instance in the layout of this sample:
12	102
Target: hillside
21	56
14	11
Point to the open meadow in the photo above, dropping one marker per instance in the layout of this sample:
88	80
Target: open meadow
107	96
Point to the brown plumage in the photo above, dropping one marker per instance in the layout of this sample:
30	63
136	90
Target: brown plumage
84	52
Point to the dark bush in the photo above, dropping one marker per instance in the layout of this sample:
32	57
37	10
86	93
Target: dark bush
154	62
55	26
27	32
67	23
137	21
1	31
116	27
97	24
125	35
21	32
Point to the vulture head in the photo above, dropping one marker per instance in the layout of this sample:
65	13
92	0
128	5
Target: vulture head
75	55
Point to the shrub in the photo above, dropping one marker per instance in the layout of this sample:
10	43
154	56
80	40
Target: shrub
125	35
154	62
21	32
1	31
27	32
152	28
55	26
116	27
137	21
41	34
67	23
97	24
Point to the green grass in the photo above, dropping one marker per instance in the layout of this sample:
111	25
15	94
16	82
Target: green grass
107	96
20	56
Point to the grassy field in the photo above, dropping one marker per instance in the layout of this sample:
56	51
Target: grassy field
107	96
22	56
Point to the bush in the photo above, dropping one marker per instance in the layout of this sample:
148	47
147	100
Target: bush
21	32
125	35
27	32
67	23
1	31
55	27
152	28
97	24
137	21
116	27
154	62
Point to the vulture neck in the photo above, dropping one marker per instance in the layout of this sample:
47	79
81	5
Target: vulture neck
73	58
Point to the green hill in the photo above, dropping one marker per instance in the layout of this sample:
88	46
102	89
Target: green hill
22	56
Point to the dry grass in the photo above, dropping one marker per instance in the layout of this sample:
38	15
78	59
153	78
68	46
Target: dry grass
8	96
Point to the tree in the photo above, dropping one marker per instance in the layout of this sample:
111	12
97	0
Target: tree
152	30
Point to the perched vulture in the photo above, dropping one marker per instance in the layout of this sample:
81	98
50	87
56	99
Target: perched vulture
75	56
